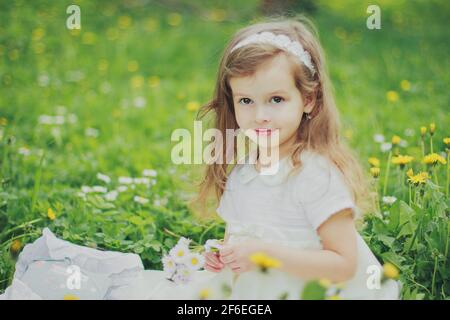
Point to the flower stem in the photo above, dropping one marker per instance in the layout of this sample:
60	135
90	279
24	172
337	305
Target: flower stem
386	176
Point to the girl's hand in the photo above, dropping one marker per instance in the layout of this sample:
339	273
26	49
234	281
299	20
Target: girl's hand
237	256
212	262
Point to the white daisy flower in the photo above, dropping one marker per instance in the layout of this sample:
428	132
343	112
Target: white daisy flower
99	189
24	151
169	264
194	261
86	189
386	146
43	80
125	180
145	181
72	118
409	132
403	143
389	200
45	119
379	138
112	195
139	102
183	275
140	200
59	120
122	188
103	177
179	252
149	173
91	132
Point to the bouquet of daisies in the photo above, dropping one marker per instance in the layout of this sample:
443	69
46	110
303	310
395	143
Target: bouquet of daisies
181	263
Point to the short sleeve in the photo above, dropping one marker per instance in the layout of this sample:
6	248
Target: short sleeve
226	209
323	192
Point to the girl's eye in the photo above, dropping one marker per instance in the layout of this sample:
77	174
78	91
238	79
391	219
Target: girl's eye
245	101
277	99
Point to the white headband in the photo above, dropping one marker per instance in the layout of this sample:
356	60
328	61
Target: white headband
280	41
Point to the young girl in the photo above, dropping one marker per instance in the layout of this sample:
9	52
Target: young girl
272	80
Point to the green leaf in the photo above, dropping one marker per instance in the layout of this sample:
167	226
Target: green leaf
313	291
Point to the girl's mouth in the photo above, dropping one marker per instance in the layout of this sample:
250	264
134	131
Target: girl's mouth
264	131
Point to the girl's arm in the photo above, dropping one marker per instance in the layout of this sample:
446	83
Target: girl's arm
336	261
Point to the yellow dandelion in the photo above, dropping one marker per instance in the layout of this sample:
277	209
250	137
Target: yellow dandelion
137	81
374	162
433	159
124	22
375	172
16	245
446	141
423	131
402	160
132	66
102	65
432	128
410	172
3	121
153	81
405	85
112	34
390	271
71	297
192	106
37	34
392	96
204	294
396	140
420	178
264	262
51	214
217	15
174	19
89	38
151	25
334	297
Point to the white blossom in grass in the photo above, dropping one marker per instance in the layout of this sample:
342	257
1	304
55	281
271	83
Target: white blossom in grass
122	188
24	151
386	146
72	118
149	173
143	180
139	102
45	119
43	80
86	189
378	138
409	132
169	264
403	143
103	177
61	110
179	252
82	195
125	180
91	132
184	241
140	200
112	195
59	120
99	189
389	200
194	261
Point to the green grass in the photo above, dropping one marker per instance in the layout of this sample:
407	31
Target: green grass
87	73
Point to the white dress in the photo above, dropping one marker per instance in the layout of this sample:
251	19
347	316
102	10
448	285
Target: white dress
277	209
272	207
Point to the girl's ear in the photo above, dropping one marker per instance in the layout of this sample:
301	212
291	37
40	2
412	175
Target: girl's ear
310	102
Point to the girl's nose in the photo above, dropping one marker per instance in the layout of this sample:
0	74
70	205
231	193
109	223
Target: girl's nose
261	116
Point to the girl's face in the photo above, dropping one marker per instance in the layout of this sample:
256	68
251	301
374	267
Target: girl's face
269	99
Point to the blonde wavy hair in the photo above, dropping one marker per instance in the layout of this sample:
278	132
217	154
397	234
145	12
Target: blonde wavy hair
321	133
